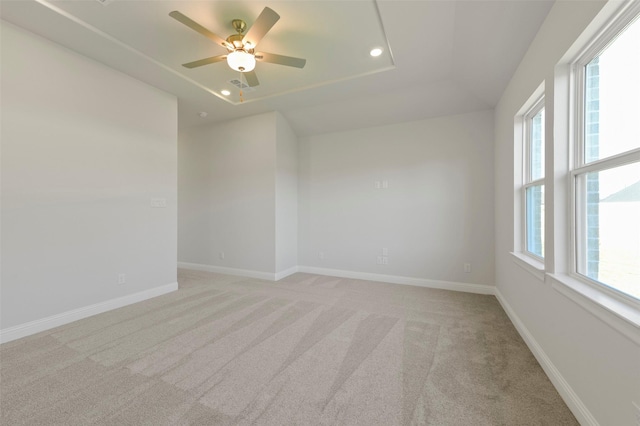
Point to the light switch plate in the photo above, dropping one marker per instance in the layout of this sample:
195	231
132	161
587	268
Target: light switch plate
159	203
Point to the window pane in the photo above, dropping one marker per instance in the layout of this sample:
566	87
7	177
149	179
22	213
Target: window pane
610	247
612	98
535	220
536	146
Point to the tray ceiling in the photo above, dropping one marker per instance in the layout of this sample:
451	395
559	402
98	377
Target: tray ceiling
439	58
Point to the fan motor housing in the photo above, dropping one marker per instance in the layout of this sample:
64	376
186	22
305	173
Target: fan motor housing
236	40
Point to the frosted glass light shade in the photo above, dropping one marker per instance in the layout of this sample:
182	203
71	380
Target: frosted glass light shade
242	61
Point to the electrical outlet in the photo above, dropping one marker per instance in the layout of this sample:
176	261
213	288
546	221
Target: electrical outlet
467	268
221	255
382	260
385	184
122	278
378	184
320	255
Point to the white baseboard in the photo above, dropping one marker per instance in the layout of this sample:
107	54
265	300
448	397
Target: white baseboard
239	272
395	279
229	271
575	404
33	327
392	279
283	274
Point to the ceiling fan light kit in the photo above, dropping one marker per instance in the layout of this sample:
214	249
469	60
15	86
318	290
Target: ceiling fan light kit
240	46
240	60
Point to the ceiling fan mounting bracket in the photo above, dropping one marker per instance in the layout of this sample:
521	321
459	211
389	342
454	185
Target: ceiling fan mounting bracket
239	25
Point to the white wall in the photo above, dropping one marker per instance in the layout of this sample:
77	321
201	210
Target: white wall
84	149
286	196
595	367
435	215
227	194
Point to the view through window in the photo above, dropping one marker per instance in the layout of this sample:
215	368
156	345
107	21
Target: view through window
607	173
534	181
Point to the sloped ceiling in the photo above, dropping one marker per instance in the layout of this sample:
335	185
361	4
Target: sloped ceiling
440	57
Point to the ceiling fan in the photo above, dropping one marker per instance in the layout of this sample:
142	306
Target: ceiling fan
241	55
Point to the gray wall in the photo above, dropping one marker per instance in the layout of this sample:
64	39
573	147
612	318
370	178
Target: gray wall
271	203
286	196
238	196
84	149
435	215
227	194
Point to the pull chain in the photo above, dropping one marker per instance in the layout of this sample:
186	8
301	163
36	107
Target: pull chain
241	97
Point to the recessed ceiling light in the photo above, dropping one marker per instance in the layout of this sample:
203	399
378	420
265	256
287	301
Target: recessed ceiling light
375	52
225	92
203	114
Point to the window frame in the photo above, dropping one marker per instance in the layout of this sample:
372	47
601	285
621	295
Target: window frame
526	182
577	165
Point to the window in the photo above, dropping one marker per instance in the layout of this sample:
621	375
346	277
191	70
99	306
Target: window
533	181
605	177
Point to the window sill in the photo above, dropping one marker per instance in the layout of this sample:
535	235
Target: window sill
623	316
529	264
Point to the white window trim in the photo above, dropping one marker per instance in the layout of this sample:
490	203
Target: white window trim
529	264
578	167
620	311
534	260
620	314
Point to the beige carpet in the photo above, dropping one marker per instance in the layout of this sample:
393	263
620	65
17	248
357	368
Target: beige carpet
307	350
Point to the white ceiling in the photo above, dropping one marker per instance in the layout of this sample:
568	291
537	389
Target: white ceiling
440	57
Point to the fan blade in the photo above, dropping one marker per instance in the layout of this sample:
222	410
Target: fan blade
252	78
205	61
281	59
199	28
260	27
